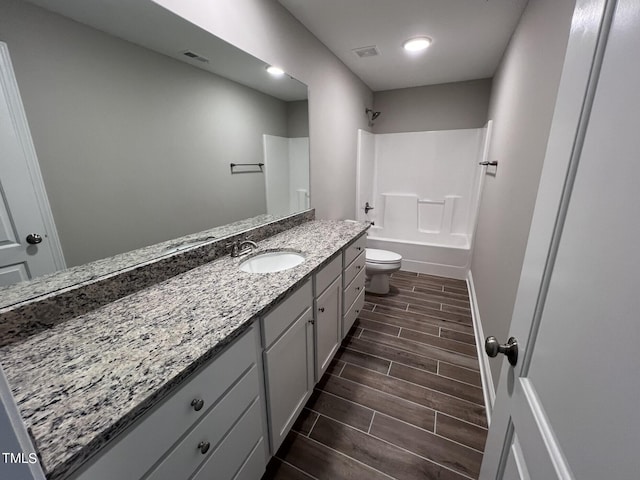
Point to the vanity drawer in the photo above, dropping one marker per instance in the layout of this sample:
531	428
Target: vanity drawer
355	268
355	288
254	466
279	319
352	314
328	274
187	454
355	249
229	457
140	447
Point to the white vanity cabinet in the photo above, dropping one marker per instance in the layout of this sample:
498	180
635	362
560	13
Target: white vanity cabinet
328	313
213	423
229	418
353	282
288	361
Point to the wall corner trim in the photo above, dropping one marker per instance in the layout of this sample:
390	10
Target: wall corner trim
488	390
15	437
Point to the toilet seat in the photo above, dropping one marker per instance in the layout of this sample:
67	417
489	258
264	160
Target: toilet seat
383	257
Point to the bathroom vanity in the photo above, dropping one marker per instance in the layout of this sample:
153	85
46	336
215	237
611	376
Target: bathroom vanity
204	372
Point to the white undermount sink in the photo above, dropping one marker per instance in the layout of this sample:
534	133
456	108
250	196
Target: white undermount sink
272	262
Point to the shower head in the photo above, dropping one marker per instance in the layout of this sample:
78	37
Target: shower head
372	115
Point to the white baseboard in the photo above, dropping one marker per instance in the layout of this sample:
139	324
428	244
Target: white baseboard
449	271
488	389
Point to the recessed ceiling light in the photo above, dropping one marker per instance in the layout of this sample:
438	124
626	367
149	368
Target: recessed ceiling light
275	71
417	43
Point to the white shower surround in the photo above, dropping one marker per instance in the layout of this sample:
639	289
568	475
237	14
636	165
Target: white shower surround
425	189
286	174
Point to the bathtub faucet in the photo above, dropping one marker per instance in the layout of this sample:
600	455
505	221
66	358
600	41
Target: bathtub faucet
367	207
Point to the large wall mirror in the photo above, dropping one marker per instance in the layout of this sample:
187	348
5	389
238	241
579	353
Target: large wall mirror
137	115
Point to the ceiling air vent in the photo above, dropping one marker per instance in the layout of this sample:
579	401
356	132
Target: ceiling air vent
195	56
363	52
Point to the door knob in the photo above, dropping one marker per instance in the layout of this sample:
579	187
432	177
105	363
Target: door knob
34	238
510	349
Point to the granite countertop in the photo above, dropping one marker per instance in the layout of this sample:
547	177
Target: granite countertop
46	284
85	380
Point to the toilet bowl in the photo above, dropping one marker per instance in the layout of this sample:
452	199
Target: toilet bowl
380	264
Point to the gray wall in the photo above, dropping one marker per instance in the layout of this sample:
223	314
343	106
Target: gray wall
433	107
298	119
522	103
134	146
337	97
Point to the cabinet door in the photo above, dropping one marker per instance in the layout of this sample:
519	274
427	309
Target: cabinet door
289	372
328	330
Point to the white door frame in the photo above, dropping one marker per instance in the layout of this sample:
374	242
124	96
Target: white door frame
15	438
9	87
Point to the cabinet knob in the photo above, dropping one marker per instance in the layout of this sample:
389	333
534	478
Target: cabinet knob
358	248
358	267
312	321
204	447
357	288
197	404
321	309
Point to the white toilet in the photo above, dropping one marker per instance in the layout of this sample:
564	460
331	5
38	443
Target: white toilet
380	265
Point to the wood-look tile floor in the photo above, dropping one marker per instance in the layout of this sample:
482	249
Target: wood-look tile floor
402	399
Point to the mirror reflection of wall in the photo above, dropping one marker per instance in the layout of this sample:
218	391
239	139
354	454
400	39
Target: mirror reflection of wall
134	146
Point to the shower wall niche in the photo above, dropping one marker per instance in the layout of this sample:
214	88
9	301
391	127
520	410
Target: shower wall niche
425	189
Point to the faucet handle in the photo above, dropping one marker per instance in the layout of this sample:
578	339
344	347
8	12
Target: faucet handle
233	246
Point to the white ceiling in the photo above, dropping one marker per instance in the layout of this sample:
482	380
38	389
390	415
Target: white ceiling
469	36
146	24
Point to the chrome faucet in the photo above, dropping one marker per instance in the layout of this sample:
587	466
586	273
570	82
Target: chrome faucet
242	248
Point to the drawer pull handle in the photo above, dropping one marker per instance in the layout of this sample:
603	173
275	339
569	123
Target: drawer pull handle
197	404
204	447
321	309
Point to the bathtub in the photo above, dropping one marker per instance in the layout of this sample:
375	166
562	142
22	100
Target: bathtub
452	260
421	191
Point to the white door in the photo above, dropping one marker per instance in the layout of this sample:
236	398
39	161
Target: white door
569	408
24	210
